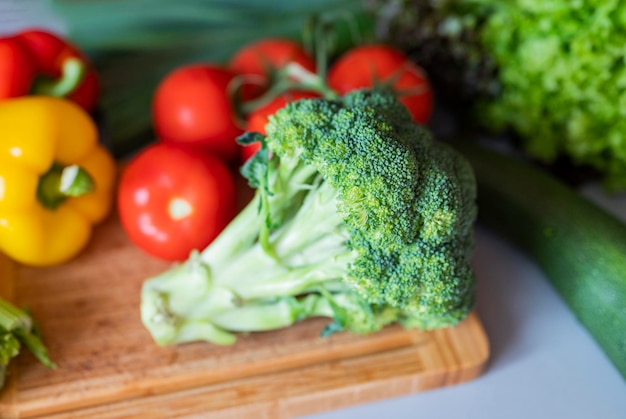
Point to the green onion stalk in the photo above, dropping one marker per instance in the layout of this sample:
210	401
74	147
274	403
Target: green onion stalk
18	329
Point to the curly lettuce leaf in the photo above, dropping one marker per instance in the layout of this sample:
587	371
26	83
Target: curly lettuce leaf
562	70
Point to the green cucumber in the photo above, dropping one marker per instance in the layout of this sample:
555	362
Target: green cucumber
580	247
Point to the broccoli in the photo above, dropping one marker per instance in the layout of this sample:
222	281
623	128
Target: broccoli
358	216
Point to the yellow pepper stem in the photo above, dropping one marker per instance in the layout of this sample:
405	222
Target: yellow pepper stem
61	182
74	71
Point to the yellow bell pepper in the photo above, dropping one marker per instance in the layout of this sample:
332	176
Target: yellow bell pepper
56	181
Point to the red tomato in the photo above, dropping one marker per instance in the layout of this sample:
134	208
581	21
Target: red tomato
192	106
367	65
260	59
172	199
17	69
259	118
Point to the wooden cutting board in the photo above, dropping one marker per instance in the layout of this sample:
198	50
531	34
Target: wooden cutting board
108	366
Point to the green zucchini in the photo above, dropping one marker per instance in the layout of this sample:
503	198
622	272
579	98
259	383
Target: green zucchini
580	247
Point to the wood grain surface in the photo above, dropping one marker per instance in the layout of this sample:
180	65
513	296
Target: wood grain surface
108	366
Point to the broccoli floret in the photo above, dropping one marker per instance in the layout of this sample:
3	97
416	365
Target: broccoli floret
359	216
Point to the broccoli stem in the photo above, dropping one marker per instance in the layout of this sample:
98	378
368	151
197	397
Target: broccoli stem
243	230
235	285
273	315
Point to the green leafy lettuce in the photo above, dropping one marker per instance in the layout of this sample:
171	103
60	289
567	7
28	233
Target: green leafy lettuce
553	71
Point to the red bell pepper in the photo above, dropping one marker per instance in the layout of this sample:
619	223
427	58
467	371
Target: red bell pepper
17	70
40	62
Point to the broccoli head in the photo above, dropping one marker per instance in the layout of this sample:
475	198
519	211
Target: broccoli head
359	216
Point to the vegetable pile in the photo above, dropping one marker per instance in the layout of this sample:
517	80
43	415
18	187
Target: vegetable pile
553	72
359	216
188	179
352	211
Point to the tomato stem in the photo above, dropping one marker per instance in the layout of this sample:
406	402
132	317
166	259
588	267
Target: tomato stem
306	80
73	73
292	77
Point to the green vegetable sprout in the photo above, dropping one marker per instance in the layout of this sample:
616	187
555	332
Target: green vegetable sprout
359	216
17	329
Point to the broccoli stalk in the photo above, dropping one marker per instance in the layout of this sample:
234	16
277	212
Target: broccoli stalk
17	329
358	216
239	287
242	285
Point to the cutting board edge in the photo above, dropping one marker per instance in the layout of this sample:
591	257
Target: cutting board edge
291	406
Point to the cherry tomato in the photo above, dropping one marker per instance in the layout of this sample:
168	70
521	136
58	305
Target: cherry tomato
259	60
172	199
192	106
259	118
367	65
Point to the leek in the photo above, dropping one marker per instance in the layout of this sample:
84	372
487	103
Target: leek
18	329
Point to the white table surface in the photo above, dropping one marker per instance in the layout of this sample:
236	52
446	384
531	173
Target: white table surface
543	364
